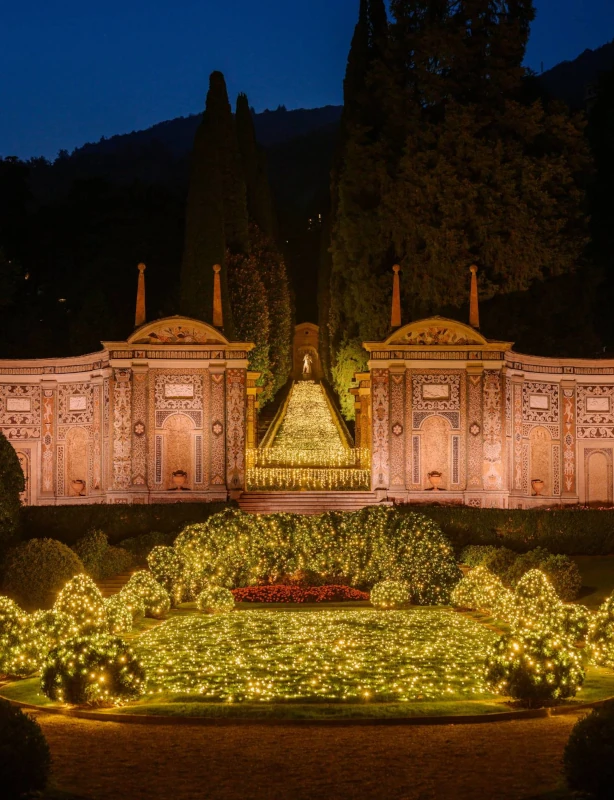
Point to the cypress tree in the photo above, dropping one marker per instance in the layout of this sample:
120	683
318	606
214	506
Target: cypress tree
205	230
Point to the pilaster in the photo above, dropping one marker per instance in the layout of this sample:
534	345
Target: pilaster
48	438
475	426
568	436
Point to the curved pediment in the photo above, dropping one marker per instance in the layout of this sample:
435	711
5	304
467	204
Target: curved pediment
177	330
436	331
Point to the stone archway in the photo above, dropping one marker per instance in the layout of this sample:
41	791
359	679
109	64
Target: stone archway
598	476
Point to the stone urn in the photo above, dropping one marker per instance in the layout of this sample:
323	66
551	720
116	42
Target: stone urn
435	478
180	477
78	487
538	486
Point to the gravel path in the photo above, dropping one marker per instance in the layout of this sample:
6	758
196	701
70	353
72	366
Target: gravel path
109	761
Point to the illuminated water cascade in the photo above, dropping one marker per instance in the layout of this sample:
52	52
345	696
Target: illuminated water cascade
309	450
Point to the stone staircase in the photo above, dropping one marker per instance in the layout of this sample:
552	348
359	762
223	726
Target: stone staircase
111	586
304	502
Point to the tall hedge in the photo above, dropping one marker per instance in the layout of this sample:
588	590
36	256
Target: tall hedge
11	484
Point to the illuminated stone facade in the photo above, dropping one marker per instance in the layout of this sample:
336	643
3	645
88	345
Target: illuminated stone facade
504	430
113	426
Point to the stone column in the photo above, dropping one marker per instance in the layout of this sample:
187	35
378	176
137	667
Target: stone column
397	428
357	420
380	456
252	410
48	438
236	408
568	437
475	427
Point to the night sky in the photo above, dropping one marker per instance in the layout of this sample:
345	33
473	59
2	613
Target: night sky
74	71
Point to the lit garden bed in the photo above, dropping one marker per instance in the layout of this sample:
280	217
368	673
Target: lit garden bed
336	655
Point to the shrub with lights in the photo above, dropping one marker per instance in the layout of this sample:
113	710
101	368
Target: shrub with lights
168	569
534	667
572	622
390	594
362	548
119	614
215	600
480	590
92	670
133	602
155	597
536	602
15	659
81	601
601	634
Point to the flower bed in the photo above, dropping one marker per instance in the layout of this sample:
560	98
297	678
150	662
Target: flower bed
297	594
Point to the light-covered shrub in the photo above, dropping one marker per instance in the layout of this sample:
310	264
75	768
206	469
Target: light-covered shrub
536	602
119	614
601	634
155	597
81	601
562	572
534	667
390	594
15	659
25	760
589	766
572	622
100	560
215	600
134	603
168	569
92	670
474	554
480	590
35	571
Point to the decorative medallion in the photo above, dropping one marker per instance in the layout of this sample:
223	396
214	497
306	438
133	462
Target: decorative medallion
397	429
475	429
217	428
139	428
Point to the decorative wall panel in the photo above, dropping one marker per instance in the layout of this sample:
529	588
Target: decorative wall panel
518	447
122	433
540	402
47	444
569	440
397	429
96	439
474	431
493	434
20	405
236	386
139	428
381	414
217	418
75	403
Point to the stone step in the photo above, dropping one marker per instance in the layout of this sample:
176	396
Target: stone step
304	502
111	586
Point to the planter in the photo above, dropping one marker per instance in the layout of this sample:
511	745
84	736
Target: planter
538	486
435	478
78	487
180	477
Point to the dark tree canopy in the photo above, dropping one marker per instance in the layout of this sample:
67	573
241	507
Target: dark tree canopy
11	485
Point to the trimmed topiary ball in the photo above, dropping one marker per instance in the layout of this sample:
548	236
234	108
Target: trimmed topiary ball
536	602
15	656
119	614
25	759
572	622
167	567
155	597
601	634
35	571
92	670
390	594
215	600
134	603
82	602
535	668
482	591
589	753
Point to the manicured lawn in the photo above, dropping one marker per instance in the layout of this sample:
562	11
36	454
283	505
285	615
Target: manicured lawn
597	579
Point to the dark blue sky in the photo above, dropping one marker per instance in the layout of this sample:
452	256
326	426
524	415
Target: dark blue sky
71	72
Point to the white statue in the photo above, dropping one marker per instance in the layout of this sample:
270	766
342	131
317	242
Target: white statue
307	362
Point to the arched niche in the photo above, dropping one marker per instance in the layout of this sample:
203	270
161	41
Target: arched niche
598	476
540	443
76	447
436	450
178	449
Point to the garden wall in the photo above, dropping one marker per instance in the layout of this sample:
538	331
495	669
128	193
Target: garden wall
569	531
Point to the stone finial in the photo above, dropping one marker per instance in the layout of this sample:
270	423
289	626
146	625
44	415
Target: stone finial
474	310
218	317
139	317
395	321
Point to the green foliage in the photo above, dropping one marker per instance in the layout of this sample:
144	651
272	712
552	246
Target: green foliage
81	601
215	600
26	760
149	525
572	622
154	596
361	548
534	667
11	484
133	602
350	359
589	753
91	549
562	572
141	546
36	570
92	670
390	594
474	555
